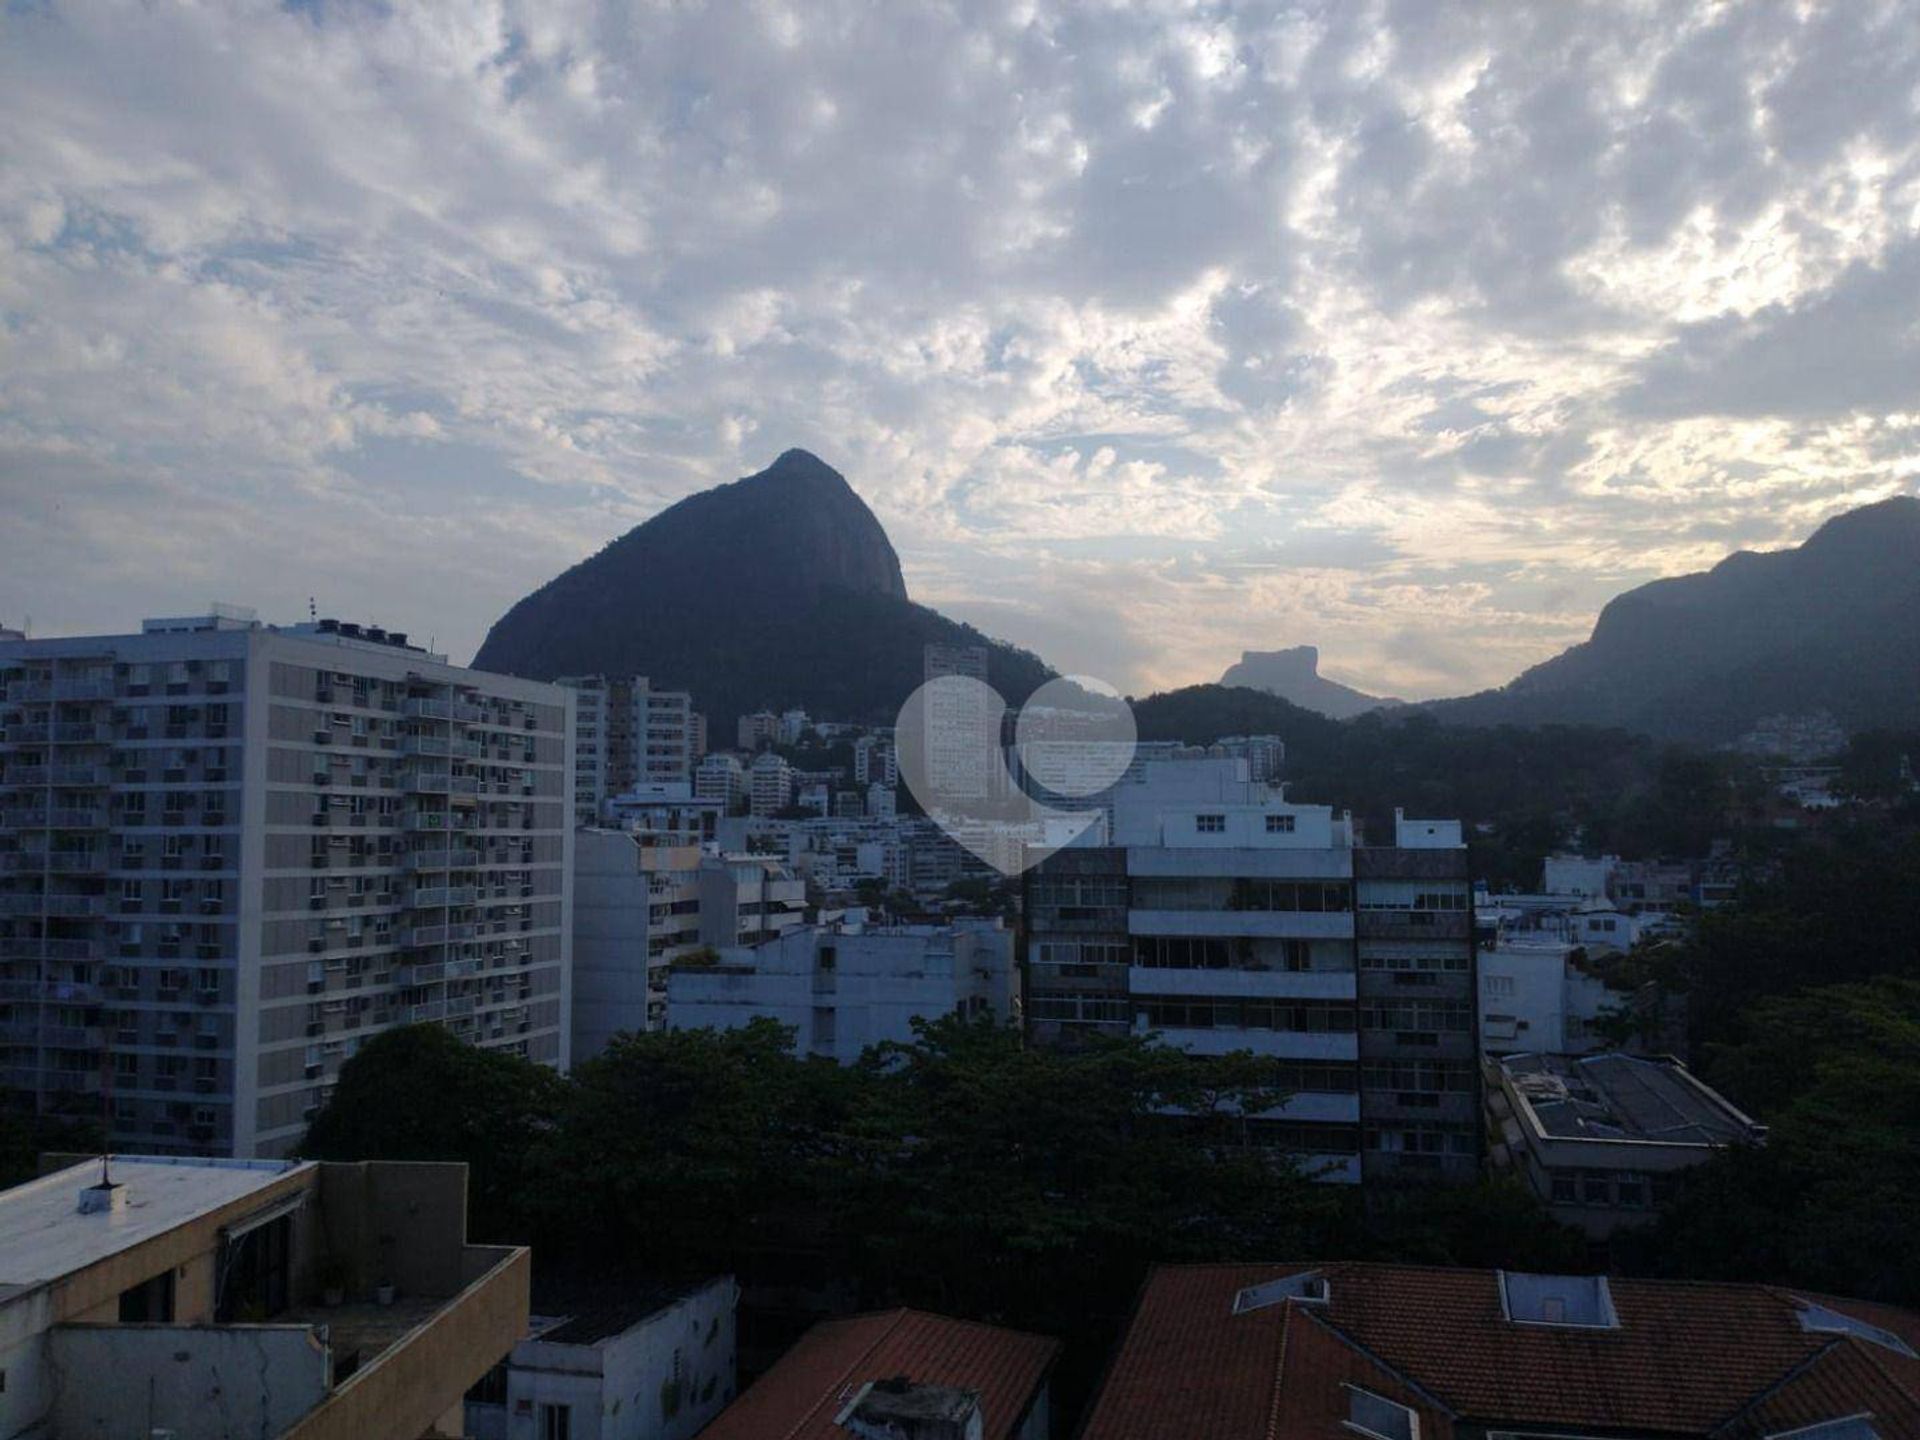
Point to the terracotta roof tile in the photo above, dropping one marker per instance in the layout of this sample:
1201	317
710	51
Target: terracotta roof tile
1685	1359
798	1398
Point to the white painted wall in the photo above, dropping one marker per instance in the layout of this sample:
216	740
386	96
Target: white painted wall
202	1382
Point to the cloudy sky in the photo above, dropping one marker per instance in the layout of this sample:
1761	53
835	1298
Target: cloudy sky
1152	332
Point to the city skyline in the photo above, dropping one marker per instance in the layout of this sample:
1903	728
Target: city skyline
1150	335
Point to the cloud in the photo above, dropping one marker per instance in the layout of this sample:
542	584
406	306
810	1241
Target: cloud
1153	332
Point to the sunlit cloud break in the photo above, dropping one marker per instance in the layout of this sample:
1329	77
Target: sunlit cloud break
1152	333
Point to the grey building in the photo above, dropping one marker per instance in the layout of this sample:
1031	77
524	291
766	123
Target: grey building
1223	917
230	853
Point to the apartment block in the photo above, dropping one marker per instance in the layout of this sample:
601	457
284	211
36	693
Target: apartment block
205	1299
628	735
229	853
1222	918
747	899
636	909
843	989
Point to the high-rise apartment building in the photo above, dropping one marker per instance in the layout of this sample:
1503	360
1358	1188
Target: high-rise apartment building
229	853
1225	918
628	734
636	910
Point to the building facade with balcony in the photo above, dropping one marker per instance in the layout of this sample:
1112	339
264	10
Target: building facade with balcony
230	853
843	989
636	909
628	735
200	1300
1224	918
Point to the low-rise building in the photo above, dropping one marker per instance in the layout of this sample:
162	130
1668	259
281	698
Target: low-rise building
203	1299
846	988
1601	1138
606	1359
636	911
1542	993
1403	1352
900	1375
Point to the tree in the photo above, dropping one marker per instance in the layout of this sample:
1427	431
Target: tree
1828	1201
419	1093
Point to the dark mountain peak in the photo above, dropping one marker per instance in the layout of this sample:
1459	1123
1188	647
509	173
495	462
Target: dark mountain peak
1889	528
801	464
1833	623
779	588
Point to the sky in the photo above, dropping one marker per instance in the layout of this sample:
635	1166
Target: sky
1152	332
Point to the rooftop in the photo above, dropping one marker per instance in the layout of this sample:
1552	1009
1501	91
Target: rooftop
813	1383
44	1235
578	1309
1625	1097
1446	1347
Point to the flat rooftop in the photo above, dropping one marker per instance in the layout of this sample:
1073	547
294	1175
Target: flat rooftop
1625	1097
43	1235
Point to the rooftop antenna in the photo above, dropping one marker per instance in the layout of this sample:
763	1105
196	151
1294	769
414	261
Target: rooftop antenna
313	610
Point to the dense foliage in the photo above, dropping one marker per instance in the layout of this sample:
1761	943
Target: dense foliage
1804	1007
964	1172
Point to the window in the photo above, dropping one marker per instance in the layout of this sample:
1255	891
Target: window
1280	824
1378	1416
1565	1190
556	1422
1497	987
1210	824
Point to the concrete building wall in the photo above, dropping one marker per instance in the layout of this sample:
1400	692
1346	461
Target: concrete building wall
199	1376
662	1379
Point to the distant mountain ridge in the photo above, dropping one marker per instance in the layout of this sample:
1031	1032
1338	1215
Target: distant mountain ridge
781	588
1294	674
1833	624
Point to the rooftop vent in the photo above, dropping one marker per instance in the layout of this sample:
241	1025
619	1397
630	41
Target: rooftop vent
1580	1302
1309	1286
898	1409
1823	1321
106	1194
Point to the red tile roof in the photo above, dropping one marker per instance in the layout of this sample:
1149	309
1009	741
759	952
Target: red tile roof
798	1398
1686	1359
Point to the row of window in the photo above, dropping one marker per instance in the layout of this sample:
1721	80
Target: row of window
1625	1190
1259	894
1234	1013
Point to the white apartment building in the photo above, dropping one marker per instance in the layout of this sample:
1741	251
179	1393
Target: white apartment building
229	853
1602	1138
746	899
875	761
1537	994
628	734
636	909
769	784
721	779
843	990
1223	917
611	1360
883	802
666	809
793	724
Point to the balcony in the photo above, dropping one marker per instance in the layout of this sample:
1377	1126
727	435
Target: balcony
423	709
83	689
86	733
427	859
91	777
22	777
76	905
431	897
78	820
424	745
32	819
427	935
77	862
432	1011
31	862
